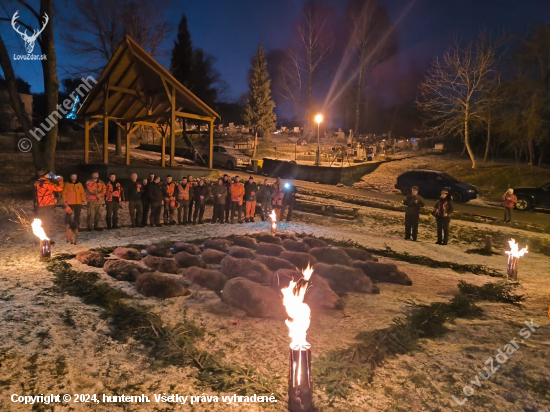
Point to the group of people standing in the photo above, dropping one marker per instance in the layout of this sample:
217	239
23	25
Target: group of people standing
148	198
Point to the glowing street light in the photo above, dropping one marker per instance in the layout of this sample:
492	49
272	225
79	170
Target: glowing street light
318	119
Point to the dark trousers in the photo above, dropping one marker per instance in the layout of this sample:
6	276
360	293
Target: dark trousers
191	204
156	210
227	209
168	212
508	214
45	214
136	211
145	217
112	214
182	212
235	207
218	213
266	209
411	222
199	211
290	205
75	216
443	229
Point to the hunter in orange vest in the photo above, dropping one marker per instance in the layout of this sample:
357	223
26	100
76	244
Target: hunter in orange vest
73	197
237	193
44	197
183	196
95	192
168	191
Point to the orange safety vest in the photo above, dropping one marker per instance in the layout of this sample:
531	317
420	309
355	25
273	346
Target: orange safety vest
169	189
183	192
237	192
95	191
44	192
114	191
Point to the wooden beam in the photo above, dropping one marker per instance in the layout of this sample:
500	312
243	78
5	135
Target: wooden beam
87	140
133	129
173	128
123	90
195	116
211	145
154	116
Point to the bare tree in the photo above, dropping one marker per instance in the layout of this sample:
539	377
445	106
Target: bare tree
314	48
51	85
452	95
96	28
291	86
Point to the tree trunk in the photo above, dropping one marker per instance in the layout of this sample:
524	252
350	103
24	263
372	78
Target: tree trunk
18	106
540	157
255	144
118	150
51	85
488	145
531	150
467	138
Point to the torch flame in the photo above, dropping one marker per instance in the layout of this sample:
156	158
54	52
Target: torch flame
298	312
38	230
514	249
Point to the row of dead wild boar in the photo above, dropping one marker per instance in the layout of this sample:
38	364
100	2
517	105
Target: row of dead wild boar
250	270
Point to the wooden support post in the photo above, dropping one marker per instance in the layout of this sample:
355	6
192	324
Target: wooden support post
87	140
163	150
105	139
211	145
173	128
106	125
127	132
488	244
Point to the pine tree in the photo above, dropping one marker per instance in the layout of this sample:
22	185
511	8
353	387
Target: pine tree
182	55
258	111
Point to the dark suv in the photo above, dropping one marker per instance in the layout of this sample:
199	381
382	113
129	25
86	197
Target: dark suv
431	182
529	198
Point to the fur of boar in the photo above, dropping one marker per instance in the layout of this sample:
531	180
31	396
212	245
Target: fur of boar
256	300
345	279
242	252
165	265
207	278
383	272
245	268
331	256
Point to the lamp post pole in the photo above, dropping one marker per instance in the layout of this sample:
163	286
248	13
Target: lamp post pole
318	146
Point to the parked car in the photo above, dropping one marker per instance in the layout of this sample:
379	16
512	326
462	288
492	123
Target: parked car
529	198
431	182
228	157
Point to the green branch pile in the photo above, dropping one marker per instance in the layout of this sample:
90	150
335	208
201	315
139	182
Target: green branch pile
338	369
168	345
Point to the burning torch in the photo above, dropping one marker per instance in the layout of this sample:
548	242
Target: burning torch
300	389
513	259
273	217
45	246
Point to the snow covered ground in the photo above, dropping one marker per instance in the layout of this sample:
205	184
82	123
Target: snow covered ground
41	352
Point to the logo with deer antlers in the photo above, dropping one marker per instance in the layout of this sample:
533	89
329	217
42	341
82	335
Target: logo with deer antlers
29	40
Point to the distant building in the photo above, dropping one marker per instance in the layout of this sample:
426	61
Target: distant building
8	119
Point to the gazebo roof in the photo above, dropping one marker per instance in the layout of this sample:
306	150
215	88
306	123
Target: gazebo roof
139	91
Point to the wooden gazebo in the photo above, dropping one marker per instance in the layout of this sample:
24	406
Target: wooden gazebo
135	90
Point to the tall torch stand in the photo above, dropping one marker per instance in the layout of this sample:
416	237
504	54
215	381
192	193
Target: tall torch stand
300	389
513	266
45	249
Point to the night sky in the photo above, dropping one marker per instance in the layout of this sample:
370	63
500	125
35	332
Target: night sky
231	30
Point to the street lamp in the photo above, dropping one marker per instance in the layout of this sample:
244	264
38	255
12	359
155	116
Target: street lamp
318	119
